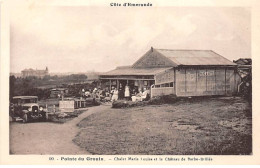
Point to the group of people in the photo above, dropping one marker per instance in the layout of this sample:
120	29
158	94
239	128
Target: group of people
128	94
115	94
95	93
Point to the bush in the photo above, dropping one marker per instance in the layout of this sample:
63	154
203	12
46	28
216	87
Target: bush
96	102
166	99
127	104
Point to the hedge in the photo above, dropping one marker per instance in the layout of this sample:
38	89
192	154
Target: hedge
166	99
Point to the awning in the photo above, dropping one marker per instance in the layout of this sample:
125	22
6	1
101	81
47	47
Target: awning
134	71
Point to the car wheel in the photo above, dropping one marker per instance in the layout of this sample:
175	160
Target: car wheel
25	118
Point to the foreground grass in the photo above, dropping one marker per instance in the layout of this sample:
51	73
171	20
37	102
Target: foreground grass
215	126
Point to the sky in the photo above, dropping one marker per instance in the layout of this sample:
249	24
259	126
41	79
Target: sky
100	38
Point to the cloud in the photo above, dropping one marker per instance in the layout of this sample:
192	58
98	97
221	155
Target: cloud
183	26
101	38
224	37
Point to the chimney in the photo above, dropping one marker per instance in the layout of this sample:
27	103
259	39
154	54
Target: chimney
152	49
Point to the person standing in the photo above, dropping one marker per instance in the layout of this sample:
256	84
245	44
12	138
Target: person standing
94	93
115	95
111	92
127	92
120	92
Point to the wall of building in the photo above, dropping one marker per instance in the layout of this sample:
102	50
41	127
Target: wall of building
206	81
37	73
164	84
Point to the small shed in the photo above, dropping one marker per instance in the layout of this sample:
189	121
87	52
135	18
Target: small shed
67	105
178	72
70	104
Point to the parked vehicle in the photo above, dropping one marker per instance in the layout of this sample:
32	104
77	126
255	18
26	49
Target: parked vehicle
27	108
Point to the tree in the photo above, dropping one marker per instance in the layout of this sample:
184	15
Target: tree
12	80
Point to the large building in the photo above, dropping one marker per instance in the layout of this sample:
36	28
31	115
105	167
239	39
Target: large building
178	72
36	73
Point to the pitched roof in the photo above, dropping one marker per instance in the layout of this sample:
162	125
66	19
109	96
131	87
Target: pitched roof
195	57
128	70
164	59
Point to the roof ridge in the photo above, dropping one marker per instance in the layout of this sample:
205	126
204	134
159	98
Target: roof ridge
183	49
197	55
223	57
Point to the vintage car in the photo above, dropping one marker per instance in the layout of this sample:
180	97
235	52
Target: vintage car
27	108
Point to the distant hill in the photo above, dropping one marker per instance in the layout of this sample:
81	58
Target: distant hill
92	75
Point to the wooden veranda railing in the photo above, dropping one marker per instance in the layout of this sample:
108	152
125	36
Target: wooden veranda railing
161	91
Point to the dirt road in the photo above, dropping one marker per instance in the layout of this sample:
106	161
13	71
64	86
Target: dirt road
46	137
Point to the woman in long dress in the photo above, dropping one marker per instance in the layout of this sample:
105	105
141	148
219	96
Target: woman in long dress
115	95
127	92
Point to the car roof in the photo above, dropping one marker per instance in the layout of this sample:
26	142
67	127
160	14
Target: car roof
25	97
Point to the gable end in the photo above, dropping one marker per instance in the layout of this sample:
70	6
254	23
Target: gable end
153	59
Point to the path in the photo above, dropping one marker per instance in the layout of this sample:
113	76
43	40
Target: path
48	138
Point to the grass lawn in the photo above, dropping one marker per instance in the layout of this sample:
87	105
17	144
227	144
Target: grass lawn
205	126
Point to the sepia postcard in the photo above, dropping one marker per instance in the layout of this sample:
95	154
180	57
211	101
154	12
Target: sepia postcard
129	82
